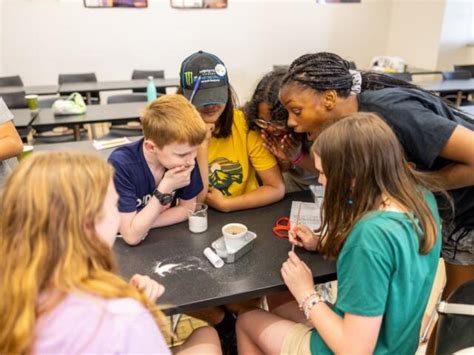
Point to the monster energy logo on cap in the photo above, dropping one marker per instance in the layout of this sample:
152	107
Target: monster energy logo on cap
189	78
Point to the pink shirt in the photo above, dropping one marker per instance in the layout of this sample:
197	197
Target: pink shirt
88	324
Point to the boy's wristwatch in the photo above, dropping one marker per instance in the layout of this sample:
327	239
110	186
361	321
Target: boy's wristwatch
164	199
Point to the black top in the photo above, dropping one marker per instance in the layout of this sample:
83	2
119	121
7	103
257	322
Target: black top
423	125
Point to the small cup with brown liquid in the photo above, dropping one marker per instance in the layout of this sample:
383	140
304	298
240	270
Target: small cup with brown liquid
234	236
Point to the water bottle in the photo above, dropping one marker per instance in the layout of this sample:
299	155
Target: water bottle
151	89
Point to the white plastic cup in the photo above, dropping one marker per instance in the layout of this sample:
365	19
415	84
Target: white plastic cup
234	235
197	218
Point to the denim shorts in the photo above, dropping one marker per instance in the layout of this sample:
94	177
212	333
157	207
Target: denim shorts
458	245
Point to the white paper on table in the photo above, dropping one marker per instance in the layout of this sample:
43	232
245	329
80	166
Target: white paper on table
309	214
111	143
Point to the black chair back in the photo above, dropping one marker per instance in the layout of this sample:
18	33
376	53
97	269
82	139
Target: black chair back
77	78
144	74
456	75
14	99
81	78
465	67
11	81
122	98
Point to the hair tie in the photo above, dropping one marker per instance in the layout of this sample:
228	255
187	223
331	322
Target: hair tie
356	87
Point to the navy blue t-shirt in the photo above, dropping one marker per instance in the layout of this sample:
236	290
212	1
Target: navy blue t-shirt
135	182
423	125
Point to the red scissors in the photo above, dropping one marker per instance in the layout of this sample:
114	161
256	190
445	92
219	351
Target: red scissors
282	228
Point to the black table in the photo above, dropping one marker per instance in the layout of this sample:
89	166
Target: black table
23	117
90	87
82	146
447	86
31	89
201	285
95	114
457	87
198	284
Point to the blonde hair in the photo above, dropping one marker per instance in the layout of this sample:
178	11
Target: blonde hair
47	202
173	119
363	148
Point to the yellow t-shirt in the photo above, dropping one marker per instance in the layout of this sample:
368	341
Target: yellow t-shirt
233	161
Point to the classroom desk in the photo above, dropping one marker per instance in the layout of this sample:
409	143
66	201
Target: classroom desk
90	87
446	86
457	87
82	146
32	89
23	117
198	284
94	114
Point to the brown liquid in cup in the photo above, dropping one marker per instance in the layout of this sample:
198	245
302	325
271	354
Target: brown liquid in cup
234	230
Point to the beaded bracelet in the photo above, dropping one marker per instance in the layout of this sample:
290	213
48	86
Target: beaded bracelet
299	158
308	296
313	301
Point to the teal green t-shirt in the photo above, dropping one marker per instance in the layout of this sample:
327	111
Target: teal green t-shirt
380	272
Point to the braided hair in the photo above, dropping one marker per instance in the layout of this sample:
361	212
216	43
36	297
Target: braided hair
267	92
327	71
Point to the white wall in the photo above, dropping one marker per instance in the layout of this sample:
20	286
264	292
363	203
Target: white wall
458	31
415	30
47	37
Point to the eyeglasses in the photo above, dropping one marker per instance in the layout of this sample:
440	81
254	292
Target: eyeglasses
265	124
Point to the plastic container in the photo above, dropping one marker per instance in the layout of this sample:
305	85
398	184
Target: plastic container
220	248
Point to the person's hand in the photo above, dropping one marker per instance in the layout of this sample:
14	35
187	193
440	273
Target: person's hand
152	289
175	178
302	236
216	199
291	146
297	277
285	149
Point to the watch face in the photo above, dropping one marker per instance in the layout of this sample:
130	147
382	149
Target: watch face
165	199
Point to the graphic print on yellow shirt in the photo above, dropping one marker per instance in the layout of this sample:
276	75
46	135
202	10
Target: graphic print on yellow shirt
233	161
223	173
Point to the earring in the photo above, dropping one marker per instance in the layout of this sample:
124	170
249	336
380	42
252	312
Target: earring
349	201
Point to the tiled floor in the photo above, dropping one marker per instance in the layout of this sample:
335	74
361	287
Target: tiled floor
185	327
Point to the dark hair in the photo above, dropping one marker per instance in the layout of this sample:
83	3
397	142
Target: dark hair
327	71
363	148
267	92
223	127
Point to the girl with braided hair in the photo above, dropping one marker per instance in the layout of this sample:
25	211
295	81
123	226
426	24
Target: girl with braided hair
265	113
436	137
